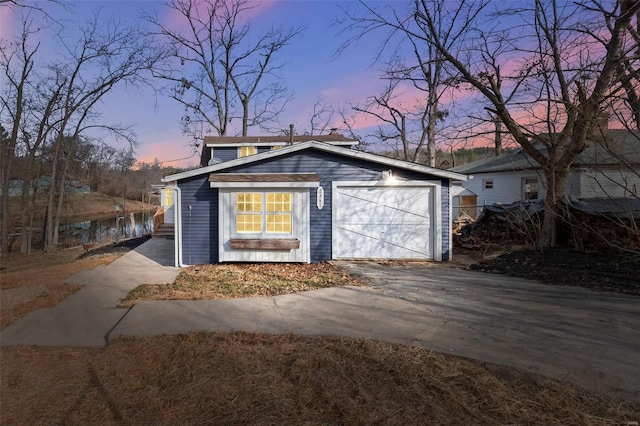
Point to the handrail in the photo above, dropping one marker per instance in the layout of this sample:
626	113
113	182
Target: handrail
158	219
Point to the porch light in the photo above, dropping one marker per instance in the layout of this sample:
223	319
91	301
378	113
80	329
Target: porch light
388	177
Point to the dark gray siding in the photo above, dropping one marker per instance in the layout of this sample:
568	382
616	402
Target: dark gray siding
200	223
225	153
331	167
262	149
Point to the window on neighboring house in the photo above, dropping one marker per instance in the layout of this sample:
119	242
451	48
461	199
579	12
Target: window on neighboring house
487	184
245	151
530	188
273	148
263	213
168	196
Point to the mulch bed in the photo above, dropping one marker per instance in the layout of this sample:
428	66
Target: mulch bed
610	271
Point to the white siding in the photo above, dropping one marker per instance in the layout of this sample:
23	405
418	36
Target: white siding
507	187
606	183
300	230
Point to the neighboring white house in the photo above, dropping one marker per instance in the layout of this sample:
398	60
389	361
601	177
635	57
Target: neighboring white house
608	168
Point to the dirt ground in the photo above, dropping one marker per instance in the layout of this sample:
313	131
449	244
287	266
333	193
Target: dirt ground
611	271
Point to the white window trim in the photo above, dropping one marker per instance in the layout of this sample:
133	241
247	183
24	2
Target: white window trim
300	228
437	208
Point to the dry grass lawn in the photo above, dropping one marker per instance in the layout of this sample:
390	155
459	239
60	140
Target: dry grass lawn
243	280
36	281
239	378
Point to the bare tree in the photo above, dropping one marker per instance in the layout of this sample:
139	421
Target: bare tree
560	75
415	63
104	57
321	117
17	61
394	118
221	70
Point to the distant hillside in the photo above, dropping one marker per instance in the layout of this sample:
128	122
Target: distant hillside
446	160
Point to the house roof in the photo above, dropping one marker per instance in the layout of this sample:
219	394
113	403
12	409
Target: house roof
325	147
237	141
616	148
333	138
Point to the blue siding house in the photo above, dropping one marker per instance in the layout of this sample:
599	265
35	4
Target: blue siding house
308	201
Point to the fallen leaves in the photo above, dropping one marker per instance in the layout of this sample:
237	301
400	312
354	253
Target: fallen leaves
244	280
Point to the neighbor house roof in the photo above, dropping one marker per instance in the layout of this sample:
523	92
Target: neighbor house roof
338	150
617	147
332	138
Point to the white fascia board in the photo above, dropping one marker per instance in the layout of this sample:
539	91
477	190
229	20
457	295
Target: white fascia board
264	184
393	162
386	184
347	152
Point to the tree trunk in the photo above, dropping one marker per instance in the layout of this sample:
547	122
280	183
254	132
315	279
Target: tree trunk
49	235
498	136
556	180
431	139
245	117
24	209
6	176
403	137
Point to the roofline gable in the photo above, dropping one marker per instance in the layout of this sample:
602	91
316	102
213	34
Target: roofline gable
338	150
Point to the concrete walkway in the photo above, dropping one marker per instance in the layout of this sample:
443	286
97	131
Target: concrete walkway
587	338
85	318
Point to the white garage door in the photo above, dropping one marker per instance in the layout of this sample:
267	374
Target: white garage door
383	223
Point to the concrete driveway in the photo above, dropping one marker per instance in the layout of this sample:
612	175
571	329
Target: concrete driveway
587	338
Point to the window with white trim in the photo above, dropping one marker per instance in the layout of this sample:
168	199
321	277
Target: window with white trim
264	213
245	151
487	183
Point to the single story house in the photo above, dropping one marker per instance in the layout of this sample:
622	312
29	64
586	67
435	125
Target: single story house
609	168
308	201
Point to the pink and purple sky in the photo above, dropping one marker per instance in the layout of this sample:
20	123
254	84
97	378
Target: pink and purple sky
311	72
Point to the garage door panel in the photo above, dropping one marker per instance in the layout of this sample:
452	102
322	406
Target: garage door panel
358	200
383	222
360	241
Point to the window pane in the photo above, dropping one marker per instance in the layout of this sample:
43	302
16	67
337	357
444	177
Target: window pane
245	151
249	202
248	223
278	202
278	223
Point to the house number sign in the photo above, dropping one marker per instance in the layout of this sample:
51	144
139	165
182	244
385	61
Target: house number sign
320	197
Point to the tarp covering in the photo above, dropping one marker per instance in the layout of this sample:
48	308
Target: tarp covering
513	212
623	208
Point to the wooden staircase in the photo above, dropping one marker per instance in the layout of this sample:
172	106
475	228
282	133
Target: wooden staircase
164	230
